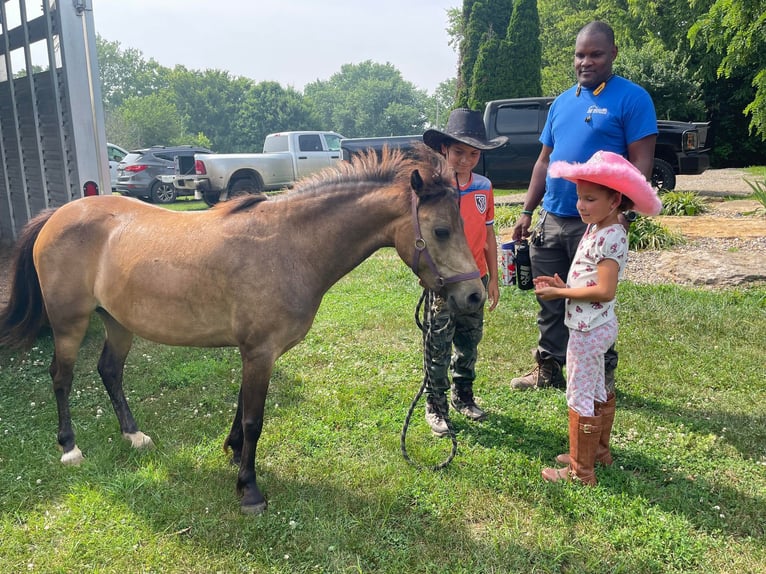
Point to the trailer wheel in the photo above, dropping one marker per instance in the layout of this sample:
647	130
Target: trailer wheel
663	176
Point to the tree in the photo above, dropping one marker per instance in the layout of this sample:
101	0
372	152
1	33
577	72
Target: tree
663	73
125	73
736	31
368	99
440	104
211	101
267	107
500	51
153	120
483	22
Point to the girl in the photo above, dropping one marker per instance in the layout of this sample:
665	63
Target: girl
607	184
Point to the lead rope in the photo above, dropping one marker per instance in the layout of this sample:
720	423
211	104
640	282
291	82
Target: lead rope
426	361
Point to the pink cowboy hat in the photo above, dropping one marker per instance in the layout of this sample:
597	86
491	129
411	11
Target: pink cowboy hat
615	172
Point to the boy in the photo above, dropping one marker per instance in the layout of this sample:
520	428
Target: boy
461	144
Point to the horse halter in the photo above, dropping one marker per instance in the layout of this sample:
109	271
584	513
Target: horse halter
422	248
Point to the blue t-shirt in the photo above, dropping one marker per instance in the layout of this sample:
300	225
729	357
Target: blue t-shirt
579	126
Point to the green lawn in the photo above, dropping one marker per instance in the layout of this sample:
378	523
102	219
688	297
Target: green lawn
687	492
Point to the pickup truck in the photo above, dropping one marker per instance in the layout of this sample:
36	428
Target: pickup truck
286	158
680	148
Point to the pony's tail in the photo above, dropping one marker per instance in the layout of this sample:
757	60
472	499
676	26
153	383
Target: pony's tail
24	315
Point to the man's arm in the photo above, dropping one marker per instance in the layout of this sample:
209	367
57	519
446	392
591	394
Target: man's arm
535	192
641	154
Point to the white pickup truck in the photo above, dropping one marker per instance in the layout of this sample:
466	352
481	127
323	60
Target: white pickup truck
286	158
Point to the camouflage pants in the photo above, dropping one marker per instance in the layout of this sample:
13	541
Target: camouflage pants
450	344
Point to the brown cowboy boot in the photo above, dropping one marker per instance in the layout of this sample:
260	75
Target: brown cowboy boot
606	411
584	434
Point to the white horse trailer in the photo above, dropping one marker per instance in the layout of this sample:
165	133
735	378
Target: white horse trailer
52	137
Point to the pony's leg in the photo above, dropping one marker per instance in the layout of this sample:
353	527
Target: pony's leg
66	344
111	366
235	438
255	385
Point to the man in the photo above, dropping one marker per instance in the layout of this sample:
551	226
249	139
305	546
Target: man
601	112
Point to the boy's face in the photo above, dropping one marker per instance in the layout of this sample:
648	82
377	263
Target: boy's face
461	158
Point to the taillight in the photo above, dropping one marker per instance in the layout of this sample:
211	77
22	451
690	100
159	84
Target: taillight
136	167
199	167
90	188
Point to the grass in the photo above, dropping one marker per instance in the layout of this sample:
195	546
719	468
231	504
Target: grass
687	492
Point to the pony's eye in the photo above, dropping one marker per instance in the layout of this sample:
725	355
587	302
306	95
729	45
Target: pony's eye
441	233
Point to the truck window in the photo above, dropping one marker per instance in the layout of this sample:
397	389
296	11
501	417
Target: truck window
520	119
309	142
275	143
333	142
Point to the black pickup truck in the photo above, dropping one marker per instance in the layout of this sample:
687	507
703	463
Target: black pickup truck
680	148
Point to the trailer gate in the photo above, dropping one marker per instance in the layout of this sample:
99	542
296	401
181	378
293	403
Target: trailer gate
52	138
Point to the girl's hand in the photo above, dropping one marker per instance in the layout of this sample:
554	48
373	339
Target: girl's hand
547	288
546	281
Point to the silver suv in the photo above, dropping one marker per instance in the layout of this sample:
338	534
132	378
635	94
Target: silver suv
139	173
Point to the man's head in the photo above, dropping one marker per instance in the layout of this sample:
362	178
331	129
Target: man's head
595	52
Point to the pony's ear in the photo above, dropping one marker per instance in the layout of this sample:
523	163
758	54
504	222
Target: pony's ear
416	182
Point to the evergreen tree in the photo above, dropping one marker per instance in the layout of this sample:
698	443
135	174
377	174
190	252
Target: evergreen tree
525	53
483	21
500	54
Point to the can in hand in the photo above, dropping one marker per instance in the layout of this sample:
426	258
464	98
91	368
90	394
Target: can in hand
507	264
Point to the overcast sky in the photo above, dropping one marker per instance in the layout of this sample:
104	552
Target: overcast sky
293	42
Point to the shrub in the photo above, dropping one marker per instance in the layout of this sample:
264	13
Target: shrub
682	203
645	233
759	191
506	215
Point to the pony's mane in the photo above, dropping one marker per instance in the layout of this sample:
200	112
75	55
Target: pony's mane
365	171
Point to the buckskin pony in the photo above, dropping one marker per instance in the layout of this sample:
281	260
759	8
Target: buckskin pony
250	273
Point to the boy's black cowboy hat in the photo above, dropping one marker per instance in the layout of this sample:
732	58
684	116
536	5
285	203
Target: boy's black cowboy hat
464	126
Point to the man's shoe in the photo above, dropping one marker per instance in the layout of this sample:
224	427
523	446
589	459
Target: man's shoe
547	373
437	420
464	403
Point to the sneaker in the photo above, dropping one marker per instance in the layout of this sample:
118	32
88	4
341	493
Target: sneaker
464	403
437	420
547	373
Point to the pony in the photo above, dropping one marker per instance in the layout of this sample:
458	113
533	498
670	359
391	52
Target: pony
250	273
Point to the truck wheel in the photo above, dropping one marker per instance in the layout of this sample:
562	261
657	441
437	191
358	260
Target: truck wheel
163	192
663	176
245	186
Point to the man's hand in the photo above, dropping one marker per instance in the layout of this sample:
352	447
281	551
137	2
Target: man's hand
521	229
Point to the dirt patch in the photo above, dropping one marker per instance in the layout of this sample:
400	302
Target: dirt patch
736	218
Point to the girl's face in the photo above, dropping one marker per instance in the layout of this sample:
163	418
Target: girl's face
597	204
461	158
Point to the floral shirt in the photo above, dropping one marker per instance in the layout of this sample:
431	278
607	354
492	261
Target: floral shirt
595	246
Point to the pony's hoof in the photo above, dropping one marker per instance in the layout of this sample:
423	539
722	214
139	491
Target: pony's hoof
138	439
254	509
72	457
